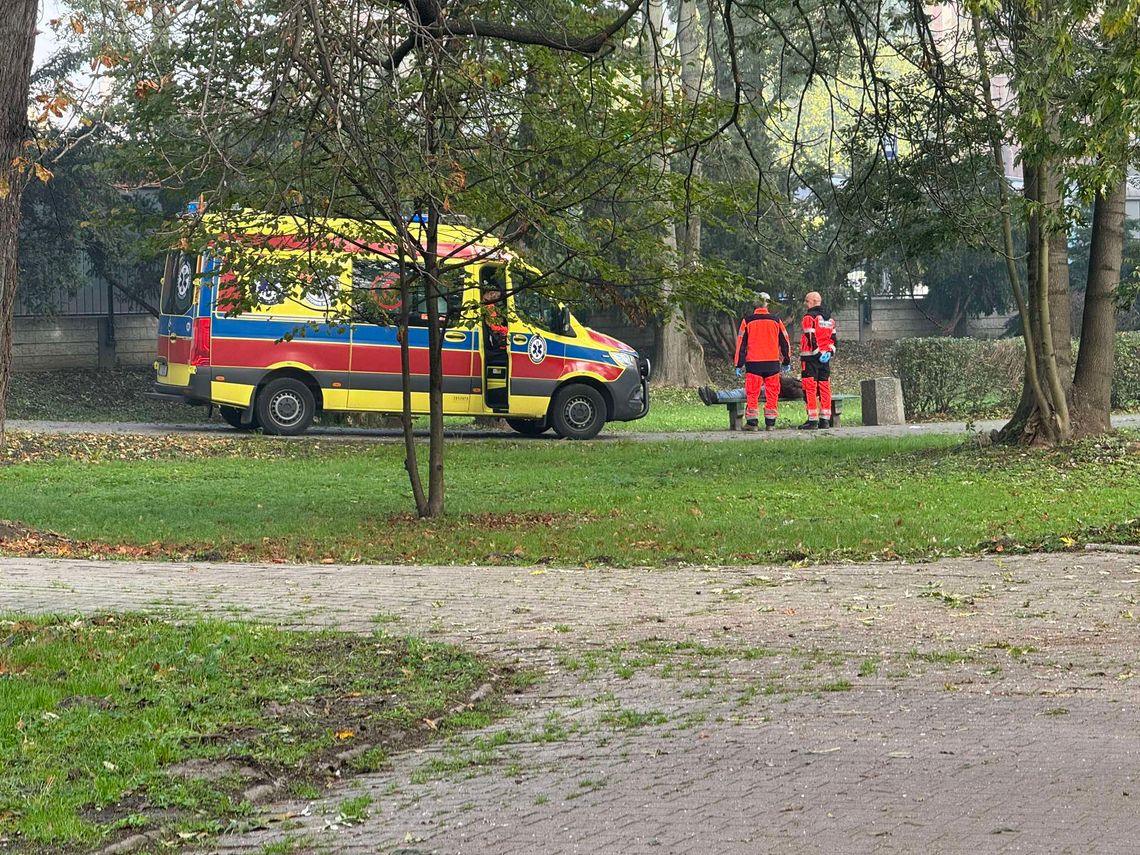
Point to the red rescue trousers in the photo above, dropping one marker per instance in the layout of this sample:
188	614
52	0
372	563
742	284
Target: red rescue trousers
816	377
753	383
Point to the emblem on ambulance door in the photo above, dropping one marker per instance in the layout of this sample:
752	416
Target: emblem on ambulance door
536	350
185	280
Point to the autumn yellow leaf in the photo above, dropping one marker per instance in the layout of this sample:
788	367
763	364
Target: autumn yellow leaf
42	172
345	734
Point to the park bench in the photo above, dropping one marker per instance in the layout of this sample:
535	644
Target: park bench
734	401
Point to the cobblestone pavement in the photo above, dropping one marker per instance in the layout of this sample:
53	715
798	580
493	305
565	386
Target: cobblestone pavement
394	435
971	705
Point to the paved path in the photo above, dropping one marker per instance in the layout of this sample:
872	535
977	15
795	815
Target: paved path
394	435
973	705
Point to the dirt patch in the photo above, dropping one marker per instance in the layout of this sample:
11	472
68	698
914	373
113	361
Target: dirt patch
349	729
203	769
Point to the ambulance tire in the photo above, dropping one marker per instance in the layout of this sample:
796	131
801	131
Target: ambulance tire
529	427
578	411
285	407
232	417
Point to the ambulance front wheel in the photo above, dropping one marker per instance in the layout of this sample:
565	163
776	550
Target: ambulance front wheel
285	407
529	427
578	412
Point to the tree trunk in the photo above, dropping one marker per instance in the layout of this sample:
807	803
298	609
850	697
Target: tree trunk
680	357
17	42
435	366
1042	415
411	458
1055	314
1092	385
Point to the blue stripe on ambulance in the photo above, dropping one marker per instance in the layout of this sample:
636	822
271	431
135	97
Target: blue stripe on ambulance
270	329
177	324
569	351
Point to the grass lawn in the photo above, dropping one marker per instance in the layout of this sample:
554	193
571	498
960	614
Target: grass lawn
125	724
525	501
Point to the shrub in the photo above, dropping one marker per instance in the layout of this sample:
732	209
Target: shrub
1005	360
1126	372
952	375
964	377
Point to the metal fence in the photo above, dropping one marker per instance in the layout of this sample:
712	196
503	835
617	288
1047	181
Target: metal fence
94	297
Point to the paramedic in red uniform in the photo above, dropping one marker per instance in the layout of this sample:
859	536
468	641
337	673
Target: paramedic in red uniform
762	346
494	320
817	346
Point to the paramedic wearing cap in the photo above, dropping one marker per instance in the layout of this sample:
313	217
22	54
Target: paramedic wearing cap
762	346
817	346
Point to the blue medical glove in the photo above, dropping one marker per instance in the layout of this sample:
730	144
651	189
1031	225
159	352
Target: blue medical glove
787	369
739	372
825	357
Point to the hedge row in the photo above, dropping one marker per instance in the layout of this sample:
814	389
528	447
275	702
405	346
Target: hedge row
965	376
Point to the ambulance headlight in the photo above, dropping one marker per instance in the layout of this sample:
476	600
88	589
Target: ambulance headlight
624	358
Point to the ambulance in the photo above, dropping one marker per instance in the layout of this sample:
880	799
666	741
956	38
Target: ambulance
305	345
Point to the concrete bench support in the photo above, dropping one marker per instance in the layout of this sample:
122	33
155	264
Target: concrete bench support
882	401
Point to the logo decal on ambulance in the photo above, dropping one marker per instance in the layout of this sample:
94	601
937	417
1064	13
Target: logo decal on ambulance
536	350
185	281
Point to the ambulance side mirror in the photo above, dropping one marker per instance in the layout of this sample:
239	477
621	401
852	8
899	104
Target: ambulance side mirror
564	326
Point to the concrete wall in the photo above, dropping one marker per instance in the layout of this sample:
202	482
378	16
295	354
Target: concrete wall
991	326
895	318
82	342
890	319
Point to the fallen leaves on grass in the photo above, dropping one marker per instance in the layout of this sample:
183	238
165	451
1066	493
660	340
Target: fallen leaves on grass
22	447
17	539
498	521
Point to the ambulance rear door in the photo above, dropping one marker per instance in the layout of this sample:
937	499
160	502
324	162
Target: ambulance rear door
176	319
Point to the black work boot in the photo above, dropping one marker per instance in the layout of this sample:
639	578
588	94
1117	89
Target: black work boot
810	424
707	395
752	424
824	424
769	424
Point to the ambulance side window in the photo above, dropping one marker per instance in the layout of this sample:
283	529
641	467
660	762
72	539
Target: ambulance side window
376	292
451	284
536	308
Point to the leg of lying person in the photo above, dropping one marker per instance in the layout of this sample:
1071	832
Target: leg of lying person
723	396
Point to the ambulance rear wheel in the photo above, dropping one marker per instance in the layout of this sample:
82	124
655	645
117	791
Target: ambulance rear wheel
529	427
578	412
285	407
232	417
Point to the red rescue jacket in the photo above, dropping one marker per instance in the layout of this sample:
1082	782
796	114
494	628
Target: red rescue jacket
819	333
762	339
